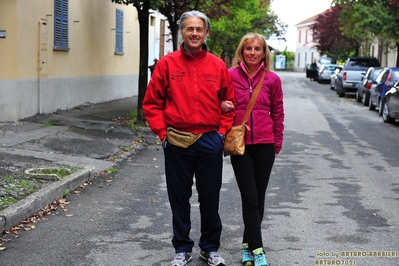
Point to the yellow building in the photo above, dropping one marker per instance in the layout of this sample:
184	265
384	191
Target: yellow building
58	54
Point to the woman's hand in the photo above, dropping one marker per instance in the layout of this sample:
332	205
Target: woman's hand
226	106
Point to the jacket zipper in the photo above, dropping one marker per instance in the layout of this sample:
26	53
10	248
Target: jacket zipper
250	115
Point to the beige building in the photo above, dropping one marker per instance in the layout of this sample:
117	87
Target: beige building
58	54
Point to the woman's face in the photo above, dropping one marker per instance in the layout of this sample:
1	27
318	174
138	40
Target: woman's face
253	53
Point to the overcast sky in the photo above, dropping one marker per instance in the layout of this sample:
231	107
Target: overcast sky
292	12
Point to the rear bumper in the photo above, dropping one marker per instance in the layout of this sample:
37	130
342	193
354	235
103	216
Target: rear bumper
350	86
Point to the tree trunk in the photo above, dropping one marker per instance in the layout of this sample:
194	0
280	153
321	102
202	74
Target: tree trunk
143	14
174	29
397	54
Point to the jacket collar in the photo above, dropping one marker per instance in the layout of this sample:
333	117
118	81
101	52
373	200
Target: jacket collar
197	54
244	68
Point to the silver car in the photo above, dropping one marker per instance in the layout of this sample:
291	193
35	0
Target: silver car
325	72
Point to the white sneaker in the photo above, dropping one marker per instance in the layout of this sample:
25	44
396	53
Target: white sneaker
181	259
213	258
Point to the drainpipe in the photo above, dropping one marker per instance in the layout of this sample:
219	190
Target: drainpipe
39	68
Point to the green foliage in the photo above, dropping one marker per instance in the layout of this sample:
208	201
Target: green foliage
243	17
370	19
289	56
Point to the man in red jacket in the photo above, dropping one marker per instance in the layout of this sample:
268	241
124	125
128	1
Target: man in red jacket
182	106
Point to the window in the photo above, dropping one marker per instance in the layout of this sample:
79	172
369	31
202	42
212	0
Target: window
306	36
299	59
61	24
119	32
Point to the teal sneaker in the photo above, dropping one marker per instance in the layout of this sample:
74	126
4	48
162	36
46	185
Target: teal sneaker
260	260
247	257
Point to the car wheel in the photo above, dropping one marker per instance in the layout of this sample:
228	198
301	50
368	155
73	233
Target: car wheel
358	98
371	105
380	107
386	117
341	92
366	100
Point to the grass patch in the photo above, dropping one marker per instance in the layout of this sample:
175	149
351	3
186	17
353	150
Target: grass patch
60	171
111	170
14	189
7	201
48	124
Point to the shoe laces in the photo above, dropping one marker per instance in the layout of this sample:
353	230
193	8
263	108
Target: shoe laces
247	255
260	260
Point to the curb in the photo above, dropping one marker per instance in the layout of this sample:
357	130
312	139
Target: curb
33	203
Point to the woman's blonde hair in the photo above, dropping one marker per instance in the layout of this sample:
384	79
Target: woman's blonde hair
249	38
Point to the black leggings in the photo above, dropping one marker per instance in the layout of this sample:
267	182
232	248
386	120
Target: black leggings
252	171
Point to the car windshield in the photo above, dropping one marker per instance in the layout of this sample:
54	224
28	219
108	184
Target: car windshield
362	63
331	68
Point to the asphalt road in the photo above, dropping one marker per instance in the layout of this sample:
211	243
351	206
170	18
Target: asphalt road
333	198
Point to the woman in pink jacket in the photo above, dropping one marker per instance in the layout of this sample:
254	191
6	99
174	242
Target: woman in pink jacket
262	142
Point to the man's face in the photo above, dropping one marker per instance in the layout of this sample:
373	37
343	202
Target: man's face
193	34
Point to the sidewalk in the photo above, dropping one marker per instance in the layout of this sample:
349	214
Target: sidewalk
84	137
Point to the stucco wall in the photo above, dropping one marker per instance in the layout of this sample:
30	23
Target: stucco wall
89	71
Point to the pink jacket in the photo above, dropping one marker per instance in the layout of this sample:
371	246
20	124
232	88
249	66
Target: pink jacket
266	121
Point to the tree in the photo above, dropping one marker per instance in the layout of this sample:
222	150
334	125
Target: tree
330	39
242	17
143	11
381	19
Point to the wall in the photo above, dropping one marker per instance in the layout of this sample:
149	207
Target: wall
89	72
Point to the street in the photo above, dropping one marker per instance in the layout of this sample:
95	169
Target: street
333	198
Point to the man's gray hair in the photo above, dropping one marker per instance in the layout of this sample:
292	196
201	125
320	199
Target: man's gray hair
198	14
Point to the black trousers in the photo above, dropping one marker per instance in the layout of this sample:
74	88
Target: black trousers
252	171
203	160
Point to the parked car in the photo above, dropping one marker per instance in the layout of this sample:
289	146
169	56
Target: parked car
363	91
352	73
333	79
390	106
325	72
384	82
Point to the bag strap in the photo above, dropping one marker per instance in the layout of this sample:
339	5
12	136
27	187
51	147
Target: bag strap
253	100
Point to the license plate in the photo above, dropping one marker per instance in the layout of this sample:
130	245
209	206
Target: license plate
355	85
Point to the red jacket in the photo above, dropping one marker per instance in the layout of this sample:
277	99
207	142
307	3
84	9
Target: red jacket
266	121
186	91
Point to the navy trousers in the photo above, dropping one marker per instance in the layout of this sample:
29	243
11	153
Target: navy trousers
203	160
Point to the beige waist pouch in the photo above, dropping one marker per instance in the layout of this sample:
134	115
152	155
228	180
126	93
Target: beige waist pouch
181	139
